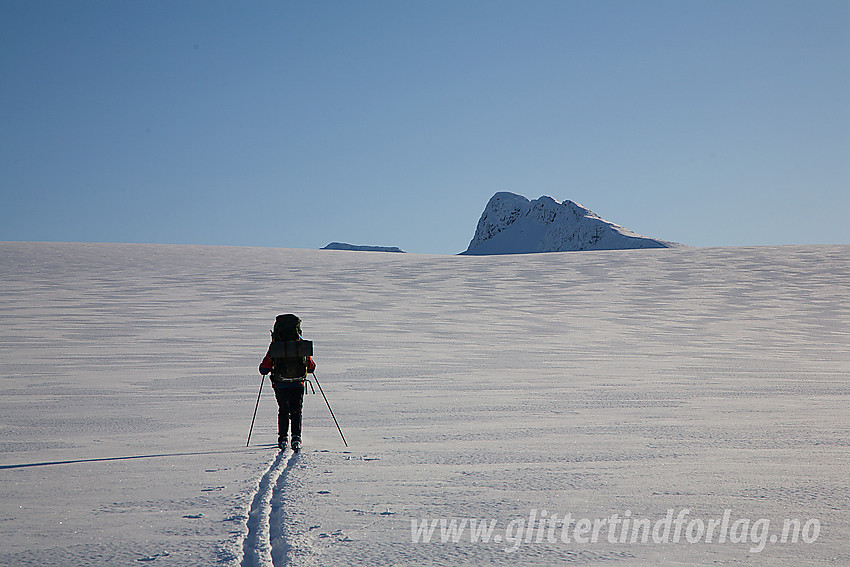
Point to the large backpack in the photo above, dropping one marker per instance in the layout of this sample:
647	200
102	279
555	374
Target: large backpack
288	350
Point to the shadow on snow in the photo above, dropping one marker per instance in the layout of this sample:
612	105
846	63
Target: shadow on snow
131	457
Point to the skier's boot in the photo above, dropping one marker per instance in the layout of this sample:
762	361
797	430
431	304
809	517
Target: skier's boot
281	443
296	444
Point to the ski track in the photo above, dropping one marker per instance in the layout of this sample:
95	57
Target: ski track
264	545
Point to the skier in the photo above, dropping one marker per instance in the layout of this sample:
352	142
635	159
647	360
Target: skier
288	380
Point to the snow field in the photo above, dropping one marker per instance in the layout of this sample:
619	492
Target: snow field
467	387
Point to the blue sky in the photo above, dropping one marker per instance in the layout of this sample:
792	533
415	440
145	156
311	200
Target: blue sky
295	124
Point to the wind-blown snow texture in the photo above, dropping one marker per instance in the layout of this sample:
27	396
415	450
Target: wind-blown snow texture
467	387
511	224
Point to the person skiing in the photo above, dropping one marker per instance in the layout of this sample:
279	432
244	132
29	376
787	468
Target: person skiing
288	380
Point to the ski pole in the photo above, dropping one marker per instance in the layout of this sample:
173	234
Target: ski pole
329	408
255	411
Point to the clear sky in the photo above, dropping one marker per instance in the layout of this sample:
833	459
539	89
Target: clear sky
297	123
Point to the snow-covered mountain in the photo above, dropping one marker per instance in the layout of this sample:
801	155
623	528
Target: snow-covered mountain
361	248
512	224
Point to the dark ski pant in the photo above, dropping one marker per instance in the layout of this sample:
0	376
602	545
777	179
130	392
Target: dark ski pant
290	397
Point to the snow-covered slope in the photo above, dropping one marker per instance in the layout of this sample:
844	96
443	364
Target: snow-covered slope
511	224
361	248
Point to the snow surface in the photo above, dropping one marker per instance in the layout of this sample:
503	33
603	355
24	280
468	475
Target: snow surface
512	224
590	383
